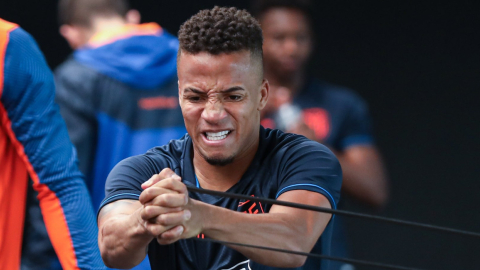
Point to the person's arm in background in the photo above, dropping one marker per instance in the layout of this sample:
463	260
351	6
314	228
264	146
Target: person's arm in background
364	175
74	95
28	97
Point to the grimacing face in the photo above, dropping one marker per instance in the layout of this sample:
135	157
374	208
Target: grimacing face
287	40
221	97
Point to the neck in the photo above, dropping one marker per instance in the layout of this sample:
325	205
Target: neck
294	82
100	24
222	178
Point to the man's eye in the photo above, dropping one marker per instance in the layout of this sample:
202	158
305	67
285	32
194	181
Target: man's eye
234	97
193	98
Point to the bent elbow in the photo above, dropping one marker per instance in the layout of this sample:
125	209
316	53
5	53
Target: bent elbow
112	258
380	199
296	261
109	264
293	260
107	257
117	262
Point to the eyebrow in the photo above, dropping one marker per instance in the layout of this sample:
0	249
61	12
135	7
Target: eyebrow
199	92
233	89
196	91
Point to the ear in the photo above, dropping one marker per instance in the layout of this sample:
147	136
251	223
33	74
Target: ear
133	16
74	35
264	91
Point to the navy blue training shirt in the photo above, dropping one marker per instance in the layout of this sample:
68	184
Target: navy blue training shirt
283	162
340	119
337	115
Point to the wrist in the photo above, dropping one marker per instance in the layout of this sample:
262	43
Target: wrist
139	224
200	215
213	218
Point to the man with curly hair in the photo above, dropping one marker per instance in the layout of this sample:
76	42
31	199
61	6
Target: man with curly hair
222	92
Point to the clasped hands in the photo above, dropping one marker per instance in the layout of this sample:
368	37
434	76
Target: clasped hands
168	214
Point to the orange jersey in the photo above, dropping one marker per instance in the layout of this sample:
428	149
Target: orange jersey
13	177
34	144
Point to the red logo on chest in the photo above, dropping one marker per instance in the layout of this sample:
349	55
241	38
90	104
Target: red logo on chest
250	207
317	120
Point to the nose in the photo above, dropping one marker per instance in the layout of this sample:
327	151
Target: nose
214	112
291	46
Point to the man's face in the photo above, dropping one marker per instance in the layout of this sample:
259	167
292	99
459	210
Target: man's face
221	98
287	40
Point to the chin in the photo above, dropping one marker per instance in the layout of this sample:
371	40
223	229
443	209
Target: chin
219	161
288	71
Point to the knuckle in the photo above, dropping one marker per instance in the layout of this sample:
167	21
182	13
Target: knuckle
162	219
148	192
165	172
162	241
149	210
142	196
144	214
152	228
161	200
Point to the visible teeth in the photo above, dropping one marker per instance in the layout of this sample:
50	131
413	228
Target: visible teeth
215	136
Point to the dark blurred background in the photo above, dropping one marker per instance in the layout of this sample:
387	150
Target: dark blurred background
418	67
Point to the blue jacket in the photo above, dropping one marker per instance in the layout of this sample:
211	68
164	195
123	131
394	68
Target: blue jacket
119	98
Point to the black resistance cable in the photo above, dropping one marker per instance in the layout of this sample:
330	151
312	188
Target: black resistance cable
335	211
313	255
331	211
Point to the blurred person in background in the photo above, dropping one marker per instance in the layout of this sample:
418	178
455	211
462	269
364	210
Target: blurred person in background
329	114
34	145
118	92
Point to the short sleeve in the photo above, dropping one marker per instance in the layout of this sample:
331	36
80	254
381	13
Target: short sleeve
311	166
126	178
356	128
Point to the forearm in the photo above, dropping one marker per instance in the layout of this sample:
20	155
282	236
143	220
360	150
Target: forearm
123	240
278	230
282	227
364	176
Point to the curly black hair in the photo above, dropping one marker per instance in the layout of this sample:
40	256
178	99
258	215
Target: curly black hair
221	30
